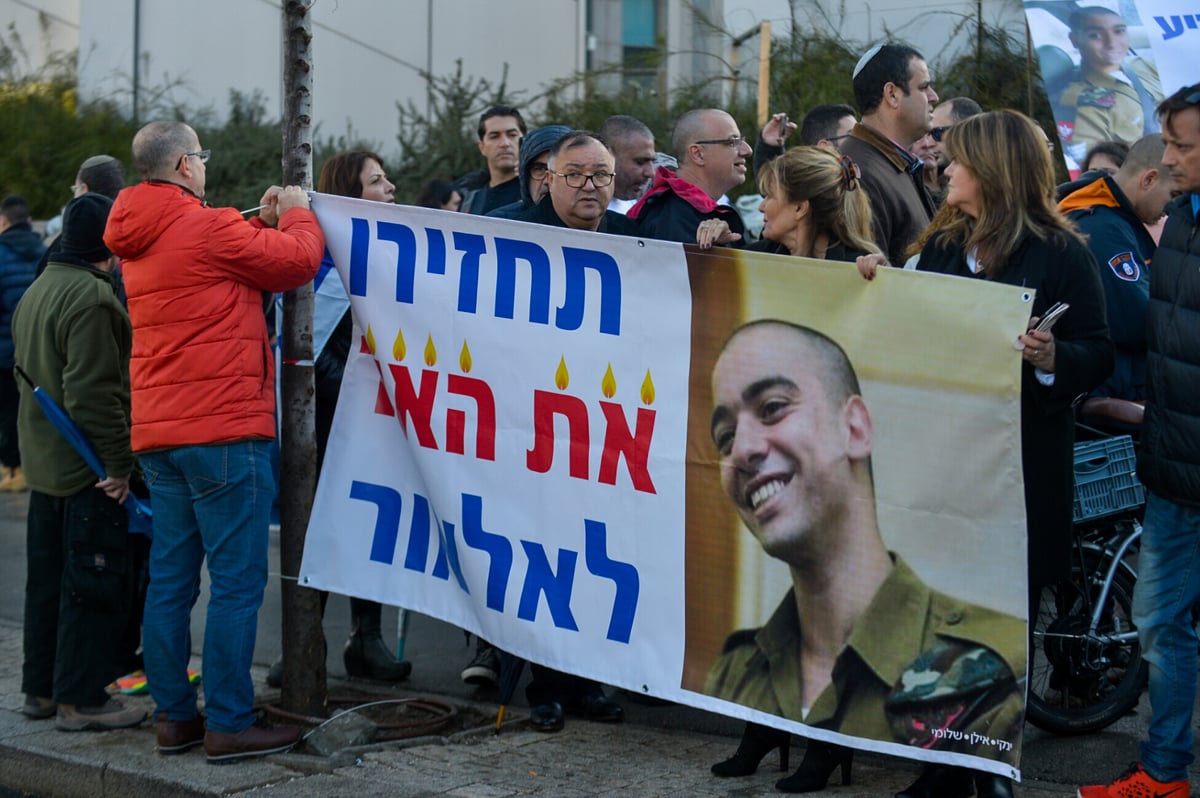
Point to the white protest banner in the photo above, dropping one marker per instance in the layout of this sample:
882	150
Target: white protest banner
523	447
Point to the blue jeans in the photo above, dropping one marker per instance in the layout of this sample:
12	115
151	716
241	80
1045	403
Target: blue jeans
209	502
1168	588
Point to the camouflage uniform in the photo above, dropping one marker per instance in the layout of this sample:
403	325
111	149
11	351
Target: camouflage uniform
1099	106
917	661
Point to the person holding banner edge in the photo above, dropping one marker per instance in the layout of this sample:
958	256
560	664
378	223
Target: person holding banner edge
811	208
1000	222
203	410
880	655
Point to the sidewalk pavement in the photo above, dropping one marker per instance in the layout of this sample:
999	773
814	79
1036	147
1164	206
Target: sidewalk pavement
636	758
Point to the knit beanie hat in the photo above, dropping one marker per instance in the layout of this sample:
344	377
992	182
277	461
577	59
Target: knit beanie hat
83	227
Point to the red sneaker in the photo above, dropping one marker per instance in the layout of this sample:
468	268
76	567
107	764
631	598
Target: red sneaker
1137	783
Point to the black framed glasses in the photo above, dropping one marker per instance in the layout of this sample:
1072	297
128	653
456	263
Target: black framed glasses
203	155
937	133
732	141
579	179
538	170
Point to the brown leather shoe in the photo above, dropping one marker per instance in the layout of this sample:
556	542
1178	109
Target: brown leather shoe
177	736
258	739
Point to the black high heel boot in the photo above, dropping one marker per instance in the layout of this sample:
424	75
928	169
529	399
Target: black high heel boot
366	655
820	760
989	785
939	781
757	742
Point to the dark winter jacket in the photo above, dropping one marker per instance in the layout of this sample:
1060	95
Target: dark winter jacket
74	341
533	144
20	250
672	209
1060	269
901	206
613	223
1123	249
1169	459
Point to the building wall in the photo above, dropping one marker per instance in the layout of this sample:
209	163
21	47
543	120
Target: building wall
44	27
369	54
366	56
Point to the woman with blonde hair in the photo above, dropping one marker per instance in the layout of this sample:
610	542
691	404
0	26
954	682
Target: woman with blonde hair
813	207
1000	222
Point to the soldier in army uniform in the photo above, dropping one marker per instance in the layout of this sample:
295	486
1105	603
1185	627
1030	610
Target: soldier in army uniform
860	645
1110	96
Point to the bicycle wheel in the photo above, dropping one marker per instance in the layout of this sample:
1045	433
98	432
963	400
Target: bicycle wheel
1081	682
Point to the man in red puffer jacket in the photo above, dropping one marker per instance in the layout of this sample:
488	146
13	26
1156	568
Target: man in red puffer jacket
203	407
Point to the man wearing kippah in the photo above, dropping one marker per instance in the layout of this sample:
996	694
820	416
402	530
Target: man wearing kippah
895	95
73	339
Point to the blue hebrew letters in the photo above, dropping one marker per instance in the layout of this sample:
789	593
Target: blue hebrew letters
507	253
556	582
497	547
570	315
623	575
540	578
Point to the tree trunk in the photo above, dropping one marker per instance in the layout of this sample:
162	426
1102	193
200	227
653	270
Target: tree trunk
304	689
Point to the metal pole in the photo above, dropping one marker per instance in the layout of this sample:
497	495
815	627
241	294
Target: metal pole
304	689
137	55
764	74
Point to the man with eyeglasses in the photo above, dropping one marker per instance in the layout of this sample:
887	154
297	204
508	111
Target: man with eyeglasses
713	160
102	174
484	668
893	89
579	185
1167	593
929	147
203	408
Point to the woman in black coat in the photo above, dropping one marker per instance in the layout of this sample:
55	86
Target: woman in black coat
999	222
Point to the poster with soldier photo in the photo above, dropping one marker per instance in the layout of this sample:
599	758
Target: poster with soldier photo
1100	64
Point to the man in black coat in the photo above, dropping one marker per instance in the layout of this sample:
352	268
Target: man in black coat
1168	587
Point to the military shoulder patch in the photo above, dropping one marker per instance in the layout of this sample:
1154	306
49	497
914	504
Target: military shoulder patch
943	690
1097	97
1125	266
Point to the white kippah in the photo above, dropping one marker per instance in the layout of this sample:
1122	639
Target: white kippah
866	59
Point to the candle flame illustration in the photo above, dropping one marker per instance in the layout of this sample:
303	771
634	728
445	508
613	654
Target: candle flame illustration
561	378
647	389
464	359
370	340
430	352
608	385
399	350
